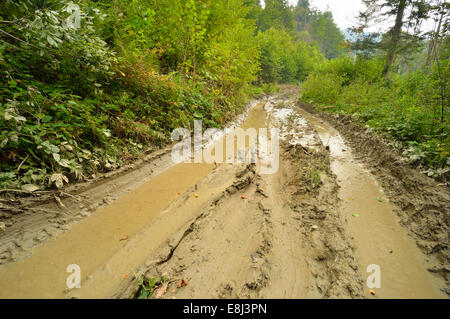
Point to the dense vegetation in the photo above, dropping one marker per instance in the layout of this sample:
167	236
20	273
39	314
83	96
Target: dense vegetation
397	87
87	85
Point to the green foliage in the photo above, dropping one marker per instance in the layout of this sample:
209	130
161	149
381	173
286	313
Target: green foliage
284	60
408	108
146	287
328	36
278	14
322	89
86	86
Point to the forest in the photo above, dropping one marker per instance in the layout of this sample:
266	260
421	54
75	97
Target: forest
88	86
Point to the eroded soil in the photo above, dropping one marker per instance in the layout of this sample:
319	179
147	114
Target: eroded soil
337	204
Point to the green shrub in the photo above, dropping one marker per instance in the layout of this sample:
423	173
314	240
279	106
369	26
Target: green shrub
408	108
323	89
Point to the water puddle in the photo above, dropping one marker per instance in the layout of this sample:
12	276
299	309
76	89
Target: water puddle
379	238
93	241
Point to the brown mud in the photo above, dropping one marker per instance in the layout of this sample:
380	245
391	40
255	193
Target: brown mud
423	205
227	231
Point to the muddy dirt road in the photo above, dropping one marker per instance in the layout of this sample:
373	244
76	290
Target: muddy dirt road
310	230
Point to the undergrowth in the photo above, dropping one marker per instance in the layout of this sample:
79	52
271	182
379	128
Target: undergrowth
408	108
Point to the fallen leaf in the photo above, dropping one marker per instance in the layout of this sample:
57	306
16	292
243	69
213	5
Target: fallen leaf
181	283
30	188
124	238
159	293
244	197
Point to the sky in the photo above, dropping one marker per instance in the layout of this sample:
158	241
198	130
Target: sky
344	11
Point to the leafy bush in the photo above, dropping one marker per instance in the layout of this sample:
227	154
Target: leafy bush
323	89
85	87
284	60
408	108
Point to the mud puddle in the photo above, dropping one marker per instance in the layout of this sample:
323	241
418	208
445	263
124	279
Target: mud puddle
378	237
118	237
310	230
93	240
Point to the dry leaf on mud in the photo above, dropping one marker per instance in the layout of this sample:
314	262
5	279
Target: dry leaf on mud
124	238
181	283
159	293
244	197
30	188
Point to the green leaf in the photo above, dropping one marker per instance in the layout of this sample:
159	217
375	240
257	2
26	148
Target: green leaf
56	157
198	115
46	119
51	41
12	84
143	294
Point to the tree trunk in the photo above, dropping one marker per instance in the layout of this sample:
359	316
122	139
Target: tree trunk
395	38
433	41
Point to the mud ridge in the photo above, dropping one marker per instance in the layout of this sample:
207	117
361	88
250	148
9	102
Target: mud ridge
424	203
32	218
331	261
183	252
